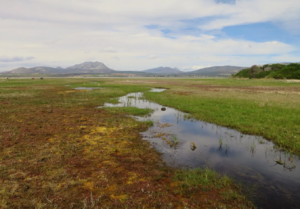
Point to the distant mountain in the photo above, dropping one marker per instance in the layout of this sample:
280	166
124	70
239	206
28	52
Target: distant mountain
32	70
84	68
216	71
164	70
90	67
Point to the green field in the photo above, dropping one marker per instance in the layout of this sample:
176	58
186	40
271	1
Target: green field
268	108
59	150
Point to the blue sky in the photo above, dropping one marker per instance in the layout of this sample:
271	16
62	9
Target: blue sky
143	34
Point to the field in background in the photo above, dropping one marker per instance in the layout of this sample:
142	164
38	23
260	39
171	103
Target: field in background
58	150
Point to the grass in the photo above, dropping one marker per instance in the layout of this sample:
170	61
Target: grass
195	182
58	150
268	108
174	139
220	142
204	177
129	110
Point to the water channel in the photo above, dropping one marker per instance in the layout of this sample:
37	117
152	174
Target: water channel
269	177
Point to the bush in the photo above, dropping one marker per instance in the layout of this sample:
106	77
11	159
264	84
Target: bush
243	73
278	76
263	74
279	71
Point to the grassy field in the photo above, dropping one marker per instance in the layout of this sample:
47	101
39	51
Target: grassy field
58	150
268	108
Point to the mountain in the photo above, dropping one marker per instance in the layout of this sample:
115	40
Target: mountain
100	68
89	67
32	70
84	68
216	71
163	70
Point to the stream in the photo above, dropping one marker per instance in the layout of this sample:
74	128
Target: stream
269	177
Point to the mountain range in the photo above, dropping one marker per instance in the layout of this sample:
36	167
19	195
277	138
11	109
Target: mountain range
84	68
164	70
216	70
100	68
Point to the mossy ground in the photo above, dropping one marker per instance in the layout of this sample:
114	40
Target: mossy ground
58	150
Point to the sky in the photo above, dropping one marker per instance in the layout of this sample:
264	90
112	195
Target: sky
144	34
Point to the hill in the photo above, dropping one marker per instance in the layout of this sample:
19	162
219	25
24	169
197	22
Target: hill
84	68
164	70
89	67
94	68
216	71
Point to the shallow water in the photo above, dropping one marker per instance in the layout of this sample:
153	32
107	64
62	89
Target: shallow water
269	177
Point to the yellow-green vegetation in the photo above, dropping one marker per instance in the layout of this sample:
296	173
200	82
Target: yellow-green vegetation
58	150
268	108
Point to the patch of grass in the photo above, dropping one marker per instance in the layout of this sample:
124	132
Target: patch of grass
204	177
129	110
175	140
207	182
114	101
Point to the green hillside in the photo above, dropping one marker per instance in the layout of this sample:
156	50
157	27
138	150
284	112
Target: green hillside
277	71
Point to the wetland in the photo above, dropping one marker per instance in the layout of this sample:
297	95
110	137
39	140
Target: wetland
202	143
268	174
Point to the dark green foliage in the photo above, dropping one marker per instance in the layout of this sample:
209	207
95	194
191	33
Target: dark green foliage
277	66
278	76
243	73
262	74
278	71
296	74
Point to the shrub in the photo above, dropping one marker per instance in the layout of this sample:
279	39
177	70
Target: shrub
243	73
278	76
279	71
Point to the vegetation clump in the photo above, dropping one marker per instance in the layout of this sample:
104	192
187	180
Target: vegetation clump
277	71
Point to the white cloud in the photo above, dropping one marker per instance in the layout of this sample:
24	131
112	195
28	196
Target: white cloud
152	57
285	58
195	67
108	50
15	58
73	31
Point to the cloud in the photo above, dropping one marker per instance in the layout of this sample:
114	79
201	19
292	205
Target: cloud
152	57
115	58
109	50
105	14
247	12
195	67
226	1
61	32
15	59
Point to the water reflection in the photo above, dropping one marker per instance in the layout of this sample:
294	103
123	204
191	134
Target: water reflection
271	176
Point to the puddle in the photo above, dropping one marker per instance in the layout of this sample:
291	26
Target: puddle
270	178
157	90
